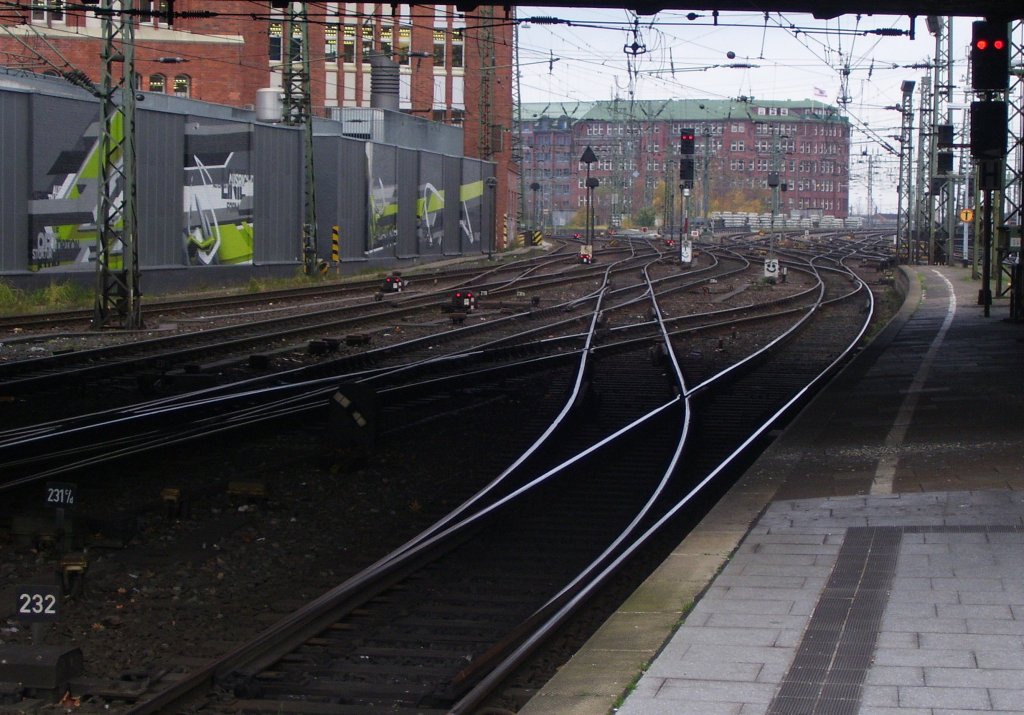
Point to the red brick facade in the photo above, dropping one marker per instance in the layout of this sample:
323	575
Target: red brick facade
738	152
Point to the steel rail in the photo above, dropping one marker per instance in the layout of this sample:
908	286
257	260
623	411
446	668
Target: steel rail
475	696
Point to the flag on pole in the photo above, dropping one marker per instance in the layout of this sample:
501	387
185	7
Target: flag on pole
819	92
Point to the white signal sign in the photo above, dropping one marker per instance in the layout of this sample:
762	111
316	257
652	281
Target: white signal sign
771	267
685	251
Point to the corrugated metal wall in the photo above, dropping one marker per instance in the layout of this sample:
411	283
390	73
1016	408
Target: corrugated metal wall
452	244
408	170
472	196
278	200
352	200
370	191
431	202
14	186
161	174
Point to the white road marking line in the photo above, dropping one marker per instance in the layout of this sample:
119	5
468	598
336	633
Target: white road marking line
885	472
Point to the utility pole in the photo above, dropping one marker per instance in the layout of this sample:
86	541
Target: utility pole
924	208
298	111
939	211
118	297
871	193
904	200
518	153
705	199
1013	190
774	181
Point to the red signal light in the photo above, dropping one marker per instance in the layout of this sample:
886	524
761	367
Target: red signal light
982	45
998	44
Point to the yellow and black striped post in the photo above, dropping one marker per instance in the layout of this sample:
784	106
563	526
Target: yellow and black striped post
335	249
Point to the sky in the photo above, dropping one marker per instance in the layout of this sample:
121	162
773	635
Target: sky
602	54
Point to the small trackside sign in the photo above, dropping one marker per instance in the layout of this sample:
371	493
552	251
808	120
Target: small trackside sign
34	603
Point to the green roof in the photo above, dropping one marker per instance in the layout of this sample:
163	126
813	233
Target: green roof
675	110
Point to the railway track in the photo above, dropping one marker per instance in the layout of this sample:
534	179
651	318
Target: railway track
404	637
681	420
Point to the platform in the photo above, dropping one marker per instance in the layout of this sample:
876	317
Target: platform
870	561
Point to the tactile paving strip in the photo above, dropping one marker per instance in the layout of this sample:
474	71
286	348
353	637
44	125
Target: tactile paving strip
832	661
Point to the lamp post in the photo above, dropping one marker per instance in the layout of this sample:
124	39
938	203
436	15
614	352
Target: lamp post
588	158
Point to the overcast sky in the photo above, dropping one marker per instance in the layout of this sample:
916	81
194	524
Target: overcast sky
602	54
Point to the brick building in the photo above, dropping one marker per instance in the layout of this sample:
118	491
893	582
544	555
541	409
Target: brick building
454	68
739	145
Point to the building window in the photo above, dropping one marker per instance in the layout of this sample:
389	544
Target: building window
387	47
366	40
331	43
404	44
457	49
153	12
440	38
182	85
296	44
349	44
274	49
48	11
157	83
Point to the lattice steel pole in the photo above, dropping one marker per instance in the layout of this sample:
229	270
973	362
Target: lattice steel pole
904	201
298	111
117	250
923	204
1014	189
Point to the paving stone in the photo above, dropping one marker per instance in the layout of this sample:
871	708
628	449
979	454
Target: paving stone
933	697
974	678
895	675
897	623
918	657
1008	699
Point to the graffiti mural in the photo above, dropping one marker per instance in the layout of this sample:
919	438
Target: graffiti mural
471	214
218	195
430	205
63	213
383	197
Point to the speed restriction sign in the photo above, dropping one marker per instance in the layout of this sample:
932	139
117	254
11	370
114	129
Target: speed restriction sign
771	267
